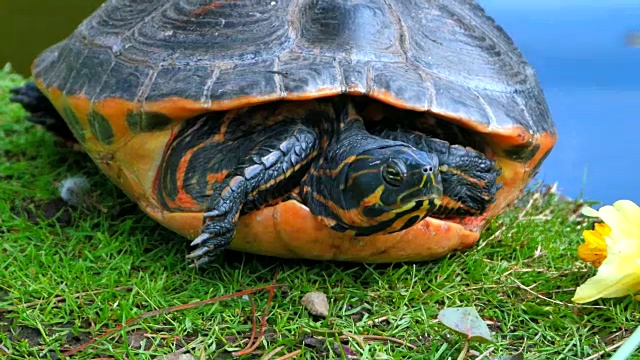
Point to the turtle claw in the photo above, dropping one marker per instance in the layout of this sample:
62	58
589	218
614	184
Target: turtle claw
30	97
216	235
202	237
210	246
200	262
198	252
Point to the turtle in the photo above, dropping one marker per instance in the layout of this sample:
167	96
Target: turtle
347	130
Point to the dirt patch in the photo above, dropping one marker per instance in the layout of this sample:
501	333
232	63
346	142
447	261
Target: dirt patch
136	339
357	313
323	348
4	294
45	210
31	335
73	340
318	344
270	334
5	323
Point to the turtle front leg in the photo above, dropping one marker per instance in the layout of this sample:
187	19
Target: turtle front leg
272	170
41	110
469	178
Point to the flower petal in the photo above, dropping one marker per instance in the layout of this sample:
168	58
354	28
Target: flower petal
618	223
594	248
605	287
594	236
631	213
588	211
619	274
602	229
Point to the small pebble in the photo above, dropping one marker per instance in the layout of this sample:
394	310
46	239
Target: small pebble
136	339
316	303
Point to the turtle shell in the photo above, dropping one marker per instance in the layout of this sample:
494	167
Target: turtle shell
134	70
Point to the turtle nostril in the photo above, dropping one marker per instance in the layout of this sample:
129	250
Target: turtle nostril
427	169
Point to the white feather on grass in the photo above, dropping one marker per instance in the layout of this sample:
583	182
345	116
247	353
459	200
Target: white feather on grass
74	190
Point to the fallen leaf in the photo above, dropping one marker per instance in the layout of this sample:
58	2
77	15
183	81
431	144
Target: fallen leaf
311	341
348	352
466	321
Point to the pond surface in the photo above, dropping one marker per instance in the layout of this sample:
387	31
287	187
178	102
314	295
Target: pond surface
30	26
582	50
590	73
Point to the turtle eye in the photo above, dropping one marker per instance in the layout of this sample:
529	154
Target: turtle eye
394	172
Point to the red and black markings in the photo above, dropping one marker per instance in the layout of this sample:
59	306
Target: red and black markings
536	167
181	186
446	169
102	128
468	175
210	7
210	148
347	185
373	215
522	153
451	208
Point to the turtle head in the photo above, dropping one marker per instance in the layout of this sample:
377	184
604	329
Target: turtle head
391	186
378	187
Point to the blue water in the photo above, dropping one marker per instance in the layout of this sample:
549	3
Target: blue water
591	78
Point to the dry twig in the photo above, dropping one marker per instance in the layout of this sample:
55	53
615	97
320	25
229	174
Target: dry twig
272	353
608	349
378	320
251	347
485	354
362	338
528	289
289	355
194	304
386	338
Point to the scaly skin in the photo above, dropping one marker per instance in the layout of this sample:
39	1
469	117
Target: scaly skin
41	111
350	179
469	178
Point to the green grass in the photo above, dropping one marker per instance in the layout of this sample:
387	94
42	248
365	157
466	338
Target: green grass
84	250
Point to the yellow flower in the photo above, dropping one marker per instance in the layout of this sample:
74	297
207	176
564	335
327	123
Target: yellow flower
594	248
613	247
